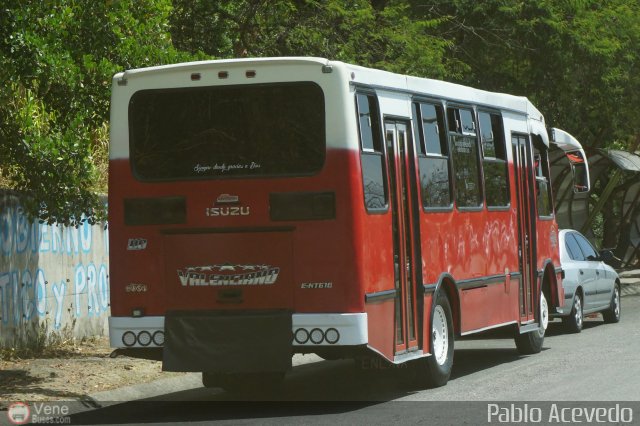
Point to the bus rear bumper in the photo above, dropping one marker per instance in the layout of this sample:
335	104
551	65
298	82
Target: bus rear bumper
308	330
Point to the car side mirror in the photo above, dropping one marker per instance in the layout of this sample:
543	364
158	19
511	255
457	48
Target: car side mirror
607	256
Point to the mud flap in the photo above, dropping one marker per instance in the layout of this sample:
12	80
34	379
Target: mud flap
227	341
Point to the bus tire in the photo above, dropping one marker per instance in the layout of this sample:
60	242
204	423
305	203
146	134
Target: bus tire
531	342
437	367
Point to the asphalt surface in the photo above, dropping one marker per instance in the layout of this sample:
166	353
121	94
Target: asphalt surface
630	281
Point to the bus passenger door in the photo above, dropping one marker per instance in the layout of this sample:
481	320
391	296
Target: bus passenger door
401	167
525	196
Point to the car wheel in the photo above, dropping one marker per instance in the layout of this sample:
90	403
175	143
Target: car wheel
575	319
436	369
613	313
531	342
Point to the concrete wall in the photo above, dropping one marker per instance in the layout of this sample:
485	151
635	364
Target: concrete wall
53	276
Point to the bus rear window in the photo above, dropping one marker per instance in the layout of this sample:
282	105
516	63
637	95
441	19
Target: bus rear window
230	131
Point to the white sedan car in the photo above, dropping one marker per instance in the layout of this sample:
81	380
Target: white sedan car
590	285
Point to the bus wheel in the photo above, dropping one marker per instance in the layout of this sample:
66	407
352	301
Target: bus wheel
531	342
437	367
244	382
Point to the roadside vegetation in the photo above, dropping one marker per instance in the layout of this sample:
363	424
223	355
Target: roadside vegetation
37	340
577	60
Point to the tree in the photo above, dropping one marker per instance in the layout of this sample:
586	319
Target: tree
577	60
57	60
379	34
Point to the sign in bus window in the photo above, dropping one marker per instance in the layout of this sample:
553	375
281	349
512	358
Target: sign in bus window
464	151
465	166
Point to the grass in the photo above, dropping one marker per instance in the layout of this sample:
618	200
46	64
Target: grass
36	340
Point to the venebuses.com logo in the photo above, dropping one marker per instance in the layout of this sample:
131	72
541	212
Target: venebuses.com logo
20	413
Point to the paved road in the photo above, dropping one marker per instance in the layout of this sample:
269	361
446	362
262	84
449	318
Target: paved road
600	364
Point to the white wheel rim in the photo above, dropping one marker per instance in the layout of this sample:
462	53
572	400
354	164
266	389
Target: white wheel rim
616	301
577	305
544	315
440	332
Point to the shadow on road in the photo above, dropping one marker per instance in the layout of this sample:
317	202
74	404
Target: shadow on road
328	387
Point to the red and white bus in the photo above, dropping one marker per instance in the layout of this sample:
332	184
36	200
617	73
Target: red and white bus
264	207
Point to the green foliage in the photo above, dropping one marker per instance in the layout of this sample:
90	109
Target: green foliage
578	61
377	34
58	59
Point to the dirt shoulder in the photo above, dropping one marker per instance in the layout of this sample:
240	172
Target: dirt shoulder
73	373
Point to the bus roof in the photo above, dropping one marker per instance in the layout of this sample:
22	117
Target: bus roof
367	76
358	75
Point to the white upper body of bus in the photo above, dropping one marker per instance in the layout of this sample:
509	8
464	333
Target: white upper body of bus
338	80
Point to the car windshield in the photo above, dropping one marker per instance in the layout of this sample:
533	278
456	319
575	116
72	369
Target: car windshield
573	248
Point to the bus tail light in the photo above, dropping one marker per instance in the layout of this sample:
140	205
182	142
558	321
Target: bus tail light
316	336
302	206
158	338
155	211
144	338
129	338
301	336
332	336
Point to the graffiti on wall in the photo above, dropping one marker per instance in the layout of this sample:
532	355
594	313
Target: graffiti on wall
50	271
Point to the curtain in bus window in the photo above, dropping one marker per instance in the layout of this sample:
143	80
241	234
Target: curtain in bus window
227	131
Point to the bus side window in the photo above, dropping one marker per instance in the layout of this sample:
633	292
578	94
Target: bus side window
543	188
494	160
371	155
433	155
464	151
